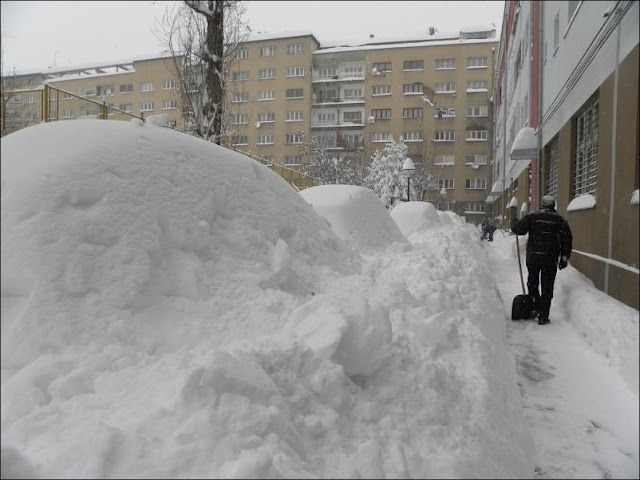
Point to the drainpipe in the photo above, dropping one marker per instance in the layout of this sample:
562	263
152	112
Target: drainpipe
540	103
505	104
614	139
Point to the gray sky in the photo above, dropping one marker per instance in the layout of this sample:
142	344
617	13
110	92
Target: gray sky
37	34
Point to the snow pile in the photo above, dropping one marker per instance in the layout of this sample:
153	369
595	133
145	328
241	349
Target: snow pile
582	202
174	309
355	214
412	217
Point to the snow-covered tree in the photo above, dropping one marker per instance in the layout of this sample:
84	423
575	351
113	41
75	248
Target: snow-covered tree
385	173
421	181
327	168
203	37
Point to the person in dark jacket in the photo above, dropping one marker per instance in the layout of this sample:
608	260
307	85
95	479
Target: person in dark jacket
548	248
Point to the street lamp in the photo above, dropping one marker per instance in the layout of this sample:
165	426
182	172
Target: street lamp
408	168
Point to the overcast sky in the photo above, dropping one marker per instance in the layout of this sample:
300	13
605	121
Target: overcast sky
40	34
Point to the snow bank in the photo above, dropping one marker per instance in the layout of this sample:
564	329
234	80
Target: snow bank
412	217
615	336
174	309
355	214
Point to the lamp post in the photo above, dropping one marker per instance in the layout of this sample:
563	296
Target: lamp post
408	168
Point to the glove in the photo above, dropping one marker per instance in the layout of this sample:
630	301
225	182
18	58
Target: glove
562	263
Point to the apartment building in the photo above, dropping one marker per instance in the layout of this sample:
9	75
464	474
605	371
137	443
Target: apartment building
567	82
431	91
142	86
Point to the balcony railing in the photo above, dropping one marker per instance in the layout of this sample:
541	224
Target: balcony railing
341	144
331	99
319	124
341	77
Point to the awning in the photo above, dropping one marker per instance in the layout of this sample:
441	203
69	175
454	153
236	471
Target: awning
513	202
496	190
525	146
490	199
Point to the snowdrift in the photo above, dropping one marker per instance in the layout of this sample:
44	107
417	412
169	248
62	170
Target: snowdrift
174	309
355	214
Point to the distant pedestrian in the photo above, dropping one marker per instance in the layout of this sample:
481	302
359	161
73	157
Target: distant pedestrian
548	248
483	226
491	227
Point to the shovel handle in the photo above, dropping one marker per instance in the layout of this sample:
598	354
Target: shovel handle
520	265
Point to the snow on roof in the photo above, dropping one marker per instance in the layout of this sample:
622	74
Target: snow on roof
417	43
260	36
485	28
80	75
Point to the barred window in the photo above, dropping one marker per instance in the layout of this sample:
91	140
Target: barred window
585	132
553	165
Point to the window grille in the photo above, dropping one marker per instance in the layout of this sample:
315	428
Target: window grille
585	130
553	167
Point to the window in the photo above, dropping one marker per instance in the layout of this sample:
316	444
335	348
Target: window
294	49
293	138
266	117
381	137
169	84
240	76
476	86
65	96
239	119
446	183
90	92
476	62
381	113
477	111
413	88
126	107
265	139
326	118
556	32
553	167
444	112
352	117
476	135
412	112
146	106
31	115
67	114
412	136
446	206
294	93
475	159
444	159
267	51
445	87
352	93
32	98
126	88
444	135
474	207
242	53
295	72
328	71
351	71
266	73
240	97
445	64
239	140
381	67
413	65
475	183
264	95
585	134
169	104
293	159
146	87
381	90
294	117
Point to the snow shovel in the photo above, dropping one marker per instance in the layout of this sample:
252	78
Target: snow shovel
522	304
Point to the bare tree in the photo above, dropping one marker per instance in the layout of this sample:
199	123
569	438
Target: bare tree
203	38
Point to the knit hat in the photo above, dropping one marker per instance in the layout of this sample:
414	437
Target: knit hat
548	201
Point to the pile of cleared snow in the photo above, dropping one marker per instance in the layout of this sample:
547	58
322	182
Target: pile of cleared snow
355	214
173	309
414	217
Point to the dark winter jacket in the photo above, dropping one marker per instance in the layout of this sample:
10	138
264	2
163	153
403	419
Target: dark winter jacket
549	234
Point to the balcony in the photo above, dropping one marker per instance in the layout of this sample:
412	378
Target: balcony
343	144
343	124
341	77
331	100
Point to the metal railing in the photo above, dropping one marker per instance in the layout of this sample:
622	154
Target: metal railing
103	112
296	178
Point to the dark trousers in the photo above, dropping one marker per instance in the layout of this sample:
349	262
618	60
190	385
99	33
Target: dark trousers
542	270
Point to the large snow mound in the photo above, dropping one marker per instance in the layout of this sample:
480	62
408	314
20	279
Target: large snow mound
355	214
414	217
174	309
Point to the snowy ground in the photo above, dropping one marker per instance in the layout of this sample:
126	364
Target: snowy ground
173	309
